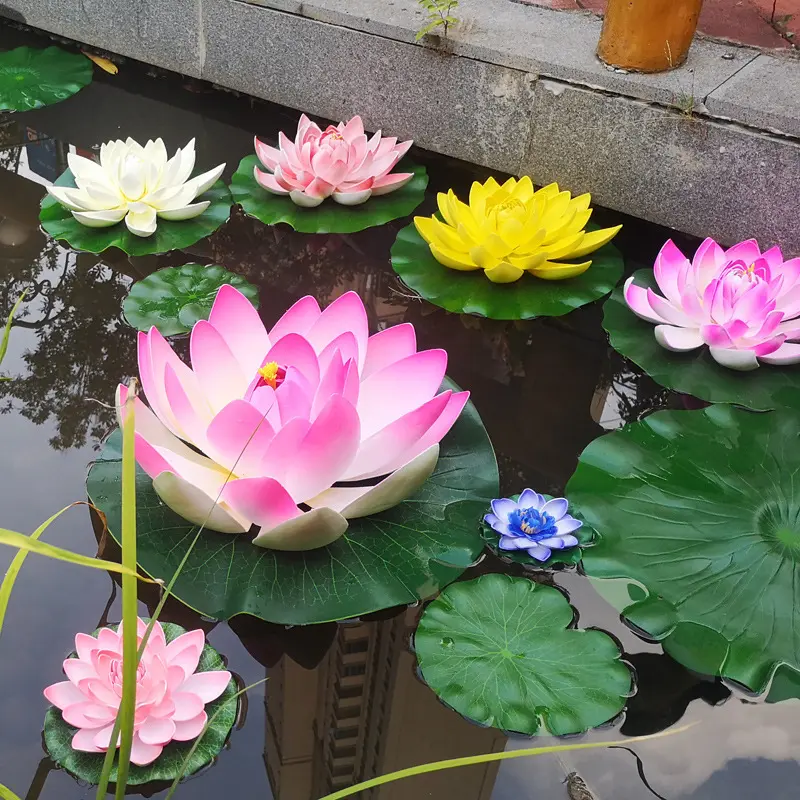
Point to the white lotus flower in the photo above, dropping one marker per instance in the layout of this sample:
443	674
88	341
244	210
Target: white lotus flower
136	184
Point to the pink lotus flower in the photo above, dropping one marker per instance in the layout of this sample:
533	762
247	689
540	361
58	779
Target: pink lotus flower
742	303
339	162
279	419
170	695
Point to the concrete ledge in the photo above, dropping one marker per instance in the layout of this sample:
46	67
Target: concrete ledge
711	149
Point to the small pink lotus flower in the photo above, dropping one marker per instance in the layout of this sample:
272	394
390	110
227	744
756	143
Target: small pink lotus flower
170	695
339	162
295	430
742	303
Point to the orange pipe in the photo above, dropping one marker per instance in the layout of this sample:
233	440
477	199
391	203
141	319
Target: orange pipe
648	35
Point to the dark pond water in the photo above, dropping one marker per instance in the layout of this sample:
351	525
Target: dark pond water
342	702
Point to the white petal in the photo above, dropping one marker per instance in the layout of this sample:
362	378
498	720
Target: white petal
352	198
72	198
84	170
186	212
179	167
302	199
132	178
365	500
100	219
141	219
556	508
202	183
787	353
679	340
194	505
316	528
742	360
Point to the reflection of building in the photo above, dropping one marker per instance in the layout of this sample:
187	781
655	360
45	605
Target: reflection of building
363	713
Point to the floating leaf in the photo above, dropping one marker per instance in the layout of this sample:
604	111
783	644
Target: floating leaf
568	557
388	559
104	63
703	509
175	298
32	78
330	217
170	235
473	293
87	766
500	651
695	373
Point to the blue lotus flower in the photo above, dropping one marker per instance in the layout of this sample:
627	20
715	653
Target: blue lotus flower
533	524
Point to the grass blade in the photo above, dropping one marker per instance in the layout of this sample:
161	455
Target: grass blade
203	733
469	760
19	559
30	545
7	329
7	794
123	725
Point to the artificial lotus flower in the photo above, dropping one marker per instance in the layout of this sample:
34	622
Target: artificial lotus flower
533	523
296	429
511	229
137	184
170	694
742	303
339	162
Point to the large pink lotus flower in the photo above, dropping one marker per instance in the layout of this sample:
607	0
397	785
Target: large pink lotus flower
339	162
170	695
741	302
282	419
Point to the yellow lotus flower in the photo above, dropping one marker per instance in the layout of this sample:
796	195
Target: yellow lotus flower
511	229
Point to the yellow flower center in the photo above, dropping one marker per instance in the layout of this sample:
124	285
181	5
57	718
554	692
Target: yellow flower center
269	372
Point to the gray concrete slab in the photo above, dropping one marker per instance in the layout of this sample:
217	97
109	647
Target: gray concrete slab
764	94
559	45
166	33
468	109
701	177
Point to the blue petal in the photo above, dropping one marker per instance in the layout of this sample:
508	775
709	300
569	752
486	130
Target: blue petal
556	508
529	499
568	524
510	543
491	519
570	541
503	507
539	552
556	542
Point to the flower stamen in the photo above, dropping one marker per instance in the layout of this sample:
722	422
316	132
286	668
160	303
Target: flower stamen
272	374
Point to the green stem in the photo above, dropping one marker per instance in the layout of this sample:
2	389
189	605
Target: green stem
7	794
483	759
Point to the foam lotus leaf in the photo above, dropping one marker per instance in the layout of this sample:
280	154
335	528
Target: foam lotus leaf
511	229
741	303
294	430
339	162
170	694
137	184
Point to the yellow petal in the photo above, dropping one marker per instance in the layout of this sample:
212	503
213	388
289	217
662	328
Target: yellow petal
594	240
477	198
555	210
581	202
523	190
557	230
424	226
550	271
532	244
547	192
565	247
578	223
494	246
452	260
444	201
504	273
528	262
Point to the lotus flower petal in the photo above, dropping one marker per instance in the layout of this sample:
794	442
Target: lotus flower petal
281	419
740	303
168	691
137	184
337	163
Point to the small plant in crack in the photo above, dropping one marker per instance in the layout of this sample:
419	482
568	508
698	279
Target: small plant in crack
439	17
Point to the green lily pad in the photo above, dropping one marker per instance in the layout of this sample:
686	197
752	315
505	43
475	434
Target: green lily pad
175	298
500	651
88	766
388	559
170	235
473	293
568	557
703	509
32	78
329	217
695	373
